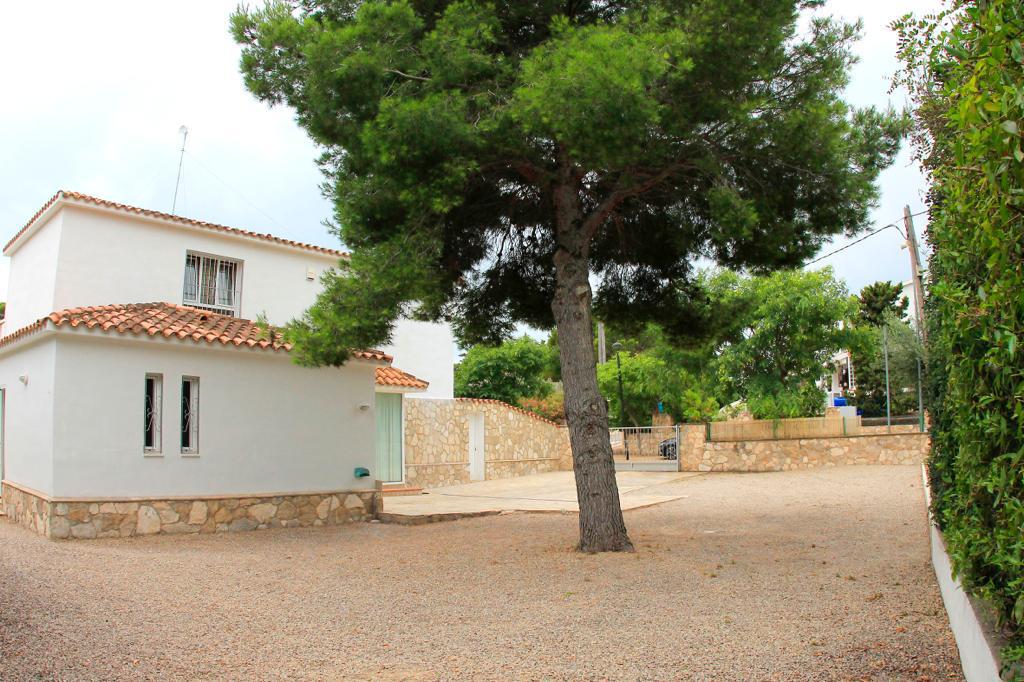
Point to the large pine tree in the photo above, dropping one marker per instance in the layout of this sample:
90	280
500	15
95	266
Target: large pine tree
489	161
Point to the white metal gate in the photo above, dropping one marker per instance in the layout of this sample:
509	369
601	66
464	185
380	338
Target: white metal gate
646	448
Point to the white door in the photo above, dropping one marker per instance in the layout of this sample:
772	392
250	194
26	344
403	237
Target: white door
476	447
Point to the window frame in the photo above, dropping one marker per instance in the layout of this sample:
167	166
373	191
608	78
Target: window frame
192	428
203	260
156	449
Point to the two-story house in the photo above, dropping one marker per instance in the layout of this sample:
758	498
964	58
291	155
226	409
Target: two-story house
137	395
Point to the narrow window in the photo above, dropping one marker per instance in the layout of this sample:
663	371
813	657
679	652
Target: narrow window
190	415
151	413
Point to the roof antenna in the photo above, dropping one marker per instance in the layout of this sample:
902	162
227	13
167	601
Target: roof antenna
183	131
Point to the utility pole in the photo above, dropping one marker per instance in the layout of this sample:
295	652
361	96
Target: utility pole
915	272
602	346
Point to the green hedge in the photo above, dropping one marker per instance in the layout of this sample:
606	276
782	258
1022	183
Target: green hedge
966	72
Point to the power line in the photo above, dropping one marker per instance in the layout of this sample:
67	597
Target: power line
233	189
858	241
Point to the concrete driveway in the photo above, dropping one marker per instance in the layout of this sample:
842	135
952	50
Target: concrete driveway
551	492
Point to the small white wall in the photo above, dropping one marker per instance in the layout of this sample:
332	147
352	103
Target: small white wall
109	258
425	350
33	267
265	426
28	418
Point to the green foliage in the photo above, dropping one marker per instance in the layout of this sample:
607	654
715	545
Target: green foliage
3	309
679	130
656	370
550	407
965	69
803	399
879	299
509	372
869	362
787	326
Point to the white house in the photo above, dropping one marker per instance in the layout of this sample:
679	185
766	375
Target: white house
137	396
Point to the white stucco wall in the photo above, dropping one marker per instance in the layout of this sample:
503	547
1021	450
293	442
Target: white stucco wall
28	413
33	267
426	350
85	256
107	258
266	425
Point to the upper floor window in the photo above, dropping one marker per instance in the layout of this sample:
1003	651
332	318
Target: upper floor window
212	283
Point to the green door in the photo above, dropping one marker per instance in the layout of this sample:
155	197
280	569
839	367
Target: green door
389	437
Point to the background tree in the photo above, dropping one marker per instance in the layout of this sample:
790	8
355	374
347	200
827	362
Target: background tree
794	324
509	372
869	368
487	159
658	369
878	299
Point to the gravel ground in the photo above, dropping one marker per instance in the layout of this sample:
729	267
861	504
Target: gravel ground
813	575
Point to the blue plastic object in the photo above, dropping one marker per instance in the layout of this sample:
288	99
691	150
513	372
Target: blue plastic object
362	472
840	401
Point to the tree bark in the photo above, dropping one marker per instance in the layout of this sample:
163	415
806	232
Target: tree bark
602	528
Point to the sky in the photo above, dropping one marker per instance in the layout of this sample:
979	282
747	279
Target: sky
94	94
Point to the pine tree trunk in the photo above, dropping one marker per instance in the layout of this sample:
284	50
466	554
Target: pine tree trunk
602	528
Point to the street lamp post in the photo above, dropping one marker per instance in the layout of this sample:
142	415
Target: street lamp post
622	397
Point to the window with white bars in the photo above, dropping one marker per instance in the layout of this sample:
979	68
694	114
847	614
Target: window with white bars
212	283
152	413
190	415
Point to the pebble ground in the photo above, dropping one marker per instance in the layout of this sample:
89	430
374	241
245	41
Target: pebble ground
809	575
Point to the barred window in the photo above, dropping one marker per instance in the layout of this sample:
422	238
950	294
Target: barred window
152	409
190	415
212	283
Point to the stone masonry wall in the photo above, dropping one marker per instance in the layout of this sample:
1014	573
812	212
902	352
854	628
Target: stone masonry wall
804	453
102	519
516	442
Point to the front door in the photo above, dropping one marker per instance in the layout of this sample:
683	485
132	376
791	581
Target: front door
389	438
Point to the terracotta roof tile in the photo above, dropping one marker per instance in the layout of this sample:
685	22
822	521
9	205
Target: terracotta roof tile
85	198
392	376
491	401
171	321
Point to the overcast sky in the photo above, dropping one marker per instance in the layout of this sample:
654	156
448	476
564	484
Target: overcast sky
94	94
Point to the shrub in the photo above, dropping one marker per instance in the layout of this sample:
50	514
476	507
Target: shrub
509	372
550	407
964	68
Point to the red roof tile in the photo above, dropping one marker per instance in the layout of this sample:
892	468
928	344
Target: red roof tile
491	401
85	198
392	376
171	321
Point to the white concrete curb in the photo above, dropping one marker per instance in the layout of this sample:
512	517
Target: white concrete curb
978	656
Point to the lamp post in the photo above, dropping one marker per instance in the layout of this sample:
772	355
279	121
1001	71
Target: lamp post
622	397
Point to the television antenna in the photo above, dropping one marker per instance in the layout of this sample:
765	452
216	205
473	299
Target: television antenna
183	131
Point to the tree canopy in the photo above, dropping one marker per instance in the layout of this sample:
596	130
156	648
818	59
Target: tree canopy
793	323
879	299
486	159
508	372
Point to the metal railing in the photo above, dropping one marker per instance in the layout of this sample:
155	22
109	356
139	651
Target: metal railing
645	443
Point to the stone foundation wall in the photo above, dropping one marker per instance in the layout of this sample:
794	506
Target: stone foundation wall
516	442
104	519
804	453
26	508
